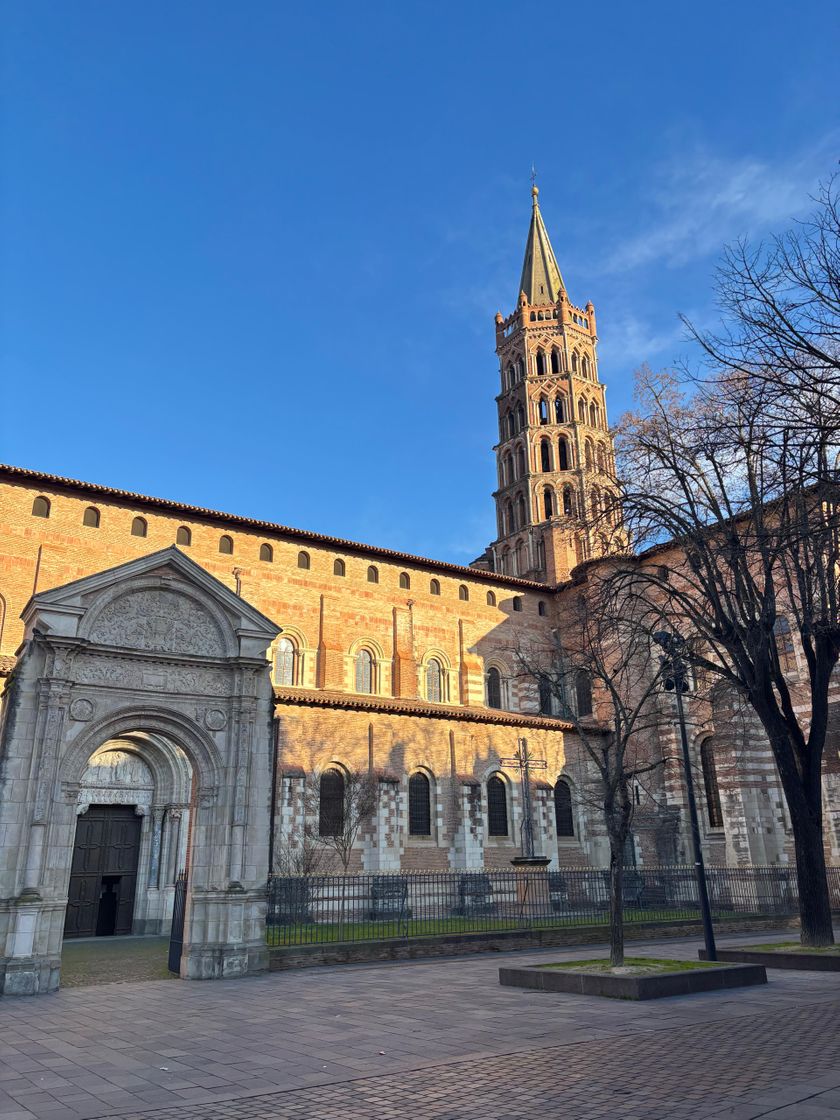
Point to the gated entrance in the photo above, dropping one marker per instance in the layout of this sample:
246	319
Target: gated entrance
103	875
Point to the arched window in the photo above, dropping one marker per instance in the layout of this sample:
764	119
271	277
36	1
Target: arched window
373	574
602	458
183	536
41	507
593	415
419	805
545	455
583	693
563	453
267	553
511	377
491	599
542	409
589	456
520	462
506	426
548	503
508	517
364	671
784	645
139	528
339	567
493	682
304	561
563	817
584	366
405	581
540	363
568	501
560	410
91	517
434	681
541	608
331	803
574	361
520	418
520	511
464	593
582	411
434	587
544	686
520	561
710	782
517	602
555	360
226	546
596	502
285	662
497	816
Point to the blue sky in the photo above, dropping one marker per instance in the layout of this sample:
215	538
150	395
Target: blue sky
253	252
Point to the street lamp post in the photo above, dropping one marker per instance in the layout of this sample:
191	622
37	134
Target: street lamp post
675	681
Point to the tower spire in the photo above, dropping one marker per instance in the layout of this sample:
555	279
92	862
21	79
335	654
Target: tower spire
541	280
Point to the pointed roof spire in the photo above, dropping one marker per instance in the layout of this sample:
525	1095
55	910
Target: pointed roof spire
541	280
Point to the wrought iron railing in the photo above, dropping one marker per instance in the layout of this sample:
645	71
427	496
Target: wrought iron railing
306	910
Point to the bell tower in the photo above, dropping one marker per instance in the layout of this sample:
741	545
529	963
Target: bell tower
555	502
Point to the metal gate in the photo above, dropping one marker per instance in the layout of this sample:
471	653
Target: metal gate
176	936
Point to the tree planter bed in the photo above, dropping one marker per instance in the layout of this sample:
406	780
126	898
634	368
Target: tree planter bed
781	958
657	985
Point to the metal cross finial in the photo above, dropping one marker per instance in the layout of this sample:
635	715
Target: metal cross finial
533	175
525	764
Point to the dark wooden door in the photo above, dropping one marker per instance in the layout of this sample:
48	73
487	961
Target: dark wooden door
103	875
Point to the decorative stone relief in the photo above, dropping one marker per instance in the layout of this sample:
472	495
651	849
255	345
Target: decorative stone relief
161	620
215	719
82	709
90	668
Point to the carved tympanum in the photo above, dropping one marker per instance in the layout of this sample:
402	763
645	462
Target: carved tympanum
160	620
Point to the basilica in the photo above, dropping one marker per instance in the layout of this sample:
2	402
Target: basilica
190	688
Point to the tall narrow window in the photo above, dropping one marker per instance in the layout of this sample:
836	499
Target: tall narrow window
284	662
434	681
434	587
548	502
494	687
364	671
184	536
491	599
226	546
405	581
520	512
545	455
545	696
91	517
419	805
41	507
266	553
540	363
139	528
555	360
710	782
373	574
497	816
589	457
583	693
574	361
784	645
560	410
303	561
331	804
594	415
464	593
541	608
568	501
520	418
584	366
517	602
339	567
543	410
582	411
520	462
563	817
563	453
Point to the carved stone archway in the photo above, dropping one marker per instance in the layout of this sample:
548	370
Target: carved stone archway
161	657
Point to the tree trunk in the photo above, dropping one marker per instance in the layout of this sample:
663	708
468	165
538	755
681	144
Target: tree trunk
814	899
616	904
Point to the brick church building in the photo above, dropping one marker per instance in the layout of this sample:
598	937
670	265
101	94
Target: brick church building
189	686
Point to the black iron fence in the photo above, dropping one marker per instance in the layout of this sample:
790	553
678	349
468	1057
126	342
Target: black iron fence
305	910
176	933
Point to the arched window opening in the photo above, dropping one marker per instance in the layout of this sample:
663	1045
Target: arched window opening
540	561
563	453
544	686
548	503
303	561
491	598
593	415
568	501
511	377
494	687
583	693
266	554
784	645
139	528
434	681
364	671
541	608
582	411
520	418
584	366
520	512
602	458
405	581
41	507
373	574
285	662
589	457
184	536
560	410
520	560
339	567
226	545
543	410
508	517
434	587
506	426
563	816
545	455
596	502
91	517
419	805
540	363
710	782
520	462
517	602
555	360
331	804
574	361
464	593
497	815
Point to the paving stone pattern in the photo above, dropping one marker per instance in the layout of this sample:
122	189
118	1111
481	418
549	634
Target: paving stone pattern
438	1040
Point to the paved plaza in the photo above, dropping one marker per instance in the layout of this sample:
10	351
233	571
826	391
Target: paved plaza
436	1040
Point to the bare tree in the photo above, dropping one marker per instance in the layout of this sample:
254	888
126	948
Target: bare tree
340	821
604	655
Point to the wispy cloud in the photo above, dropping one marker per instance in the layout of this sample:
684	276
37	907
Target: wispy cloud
700	200
630	337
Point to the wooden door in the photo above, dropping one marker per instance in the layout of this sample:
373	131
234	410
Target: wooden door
103	875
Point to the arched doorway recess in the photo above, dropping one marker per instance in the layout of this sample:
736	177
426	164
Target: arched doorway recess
157	668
